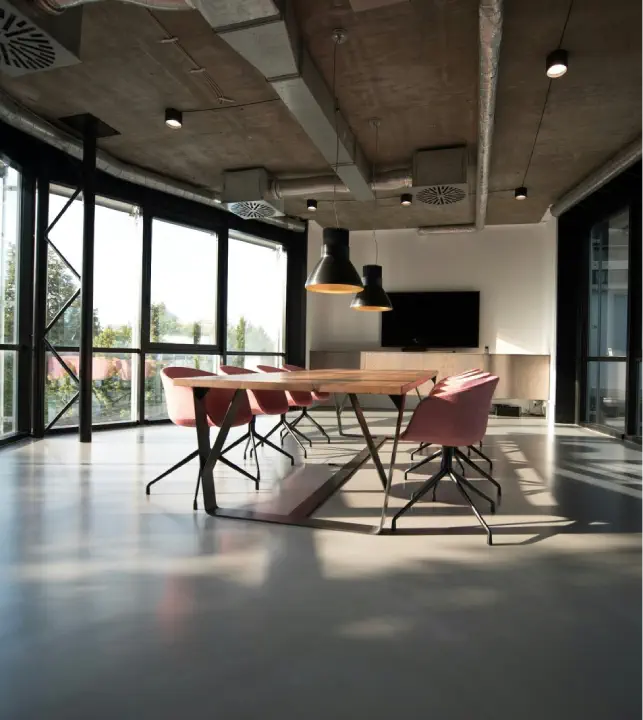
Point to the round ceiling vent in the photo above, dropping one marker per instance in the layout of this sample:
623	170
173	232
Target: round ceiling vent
441	195
252	209
22	45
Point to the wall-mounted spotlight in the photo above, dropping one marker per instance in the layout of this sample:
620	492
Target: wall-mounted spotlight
173	118
557	63
311	204
406	199
520	193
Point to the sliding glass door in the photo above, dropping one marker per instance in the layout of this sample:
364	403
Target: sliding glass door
607	324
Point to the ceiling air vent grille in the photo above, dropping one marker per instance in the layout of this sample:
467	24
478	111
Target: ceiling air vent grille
25	48
440	195
252	209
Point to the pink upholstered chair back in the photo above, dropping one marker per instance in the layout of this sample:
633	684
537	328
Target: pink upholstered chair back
263	402
316	395
455	415
459	378
180	400
296	398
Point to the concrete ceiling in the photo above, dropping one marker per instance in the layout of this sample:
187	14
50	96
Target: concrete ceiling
412	64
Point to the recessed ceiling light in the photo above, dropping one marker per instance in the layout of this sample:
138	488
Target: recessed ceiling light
173	118
406	199
557	62
311	204
520	193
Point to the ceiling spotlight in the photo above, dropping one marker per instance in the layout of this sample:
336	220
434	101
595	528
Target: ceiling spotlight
311	204
406	199
520	193
173	118
557	62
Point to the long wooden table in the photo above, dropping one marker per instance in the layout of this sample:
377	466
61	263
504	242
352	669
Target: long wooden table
394	383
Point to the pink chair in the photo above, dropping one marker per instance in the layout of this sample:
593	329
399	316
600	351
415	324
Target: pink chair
447	382
453	416
180	408
262	402
316	396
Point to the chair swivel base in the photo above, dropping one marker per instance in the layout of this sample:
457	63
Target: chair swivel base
305	415
447	470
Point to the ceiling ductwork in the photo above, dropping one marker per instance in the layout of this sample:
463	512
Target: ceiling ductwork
269	40
24	120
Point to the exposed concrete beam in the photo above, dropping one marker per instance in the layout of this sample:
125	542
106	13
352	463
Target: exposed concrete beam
271	43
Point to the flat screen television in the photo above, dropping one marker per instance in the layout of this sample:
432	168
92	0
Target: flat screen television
432	320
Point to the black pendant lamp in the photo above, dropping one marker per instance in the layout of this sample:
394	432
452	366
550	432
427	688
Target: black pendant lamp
372	298
334	272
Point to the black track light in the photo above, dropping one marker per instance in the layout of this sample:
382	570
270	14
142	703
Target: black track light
311	204
173	118
557	63
520	193
406	199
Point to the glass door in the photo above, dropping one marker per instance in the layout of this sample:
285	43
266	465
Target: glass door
607	324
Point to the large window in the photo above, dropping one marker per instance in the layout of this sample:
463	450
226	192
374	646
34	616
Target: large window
183	308
9	234
117	292
256	301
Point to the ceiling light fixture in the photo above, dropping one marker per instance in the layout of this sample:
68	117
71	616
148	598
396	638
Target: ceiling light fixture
557	63
406	199
520	193
311	204
173	118
334	272
373	297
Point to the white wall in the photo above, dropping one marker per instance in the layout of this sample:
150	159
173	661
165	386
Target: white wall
513	267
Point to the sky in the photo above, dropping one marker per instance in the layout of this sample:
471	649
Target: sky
184	269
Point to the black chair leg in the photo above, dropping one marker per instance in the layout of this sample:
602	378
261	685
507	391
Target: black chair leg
419	449
482	455
179	464
482	472
301	435
196	492
464	494
431	482
425	460
308	416
297	440
275	447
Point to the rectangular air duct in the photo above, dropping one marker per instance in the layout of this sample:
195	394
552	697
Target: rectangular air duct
440	176
27	46
244	194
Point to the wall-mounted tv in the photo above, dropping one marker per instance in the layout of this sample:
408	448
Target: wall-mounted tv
432	320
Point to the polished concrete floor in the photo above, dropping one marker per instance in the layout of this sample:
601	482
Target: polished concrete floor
118	605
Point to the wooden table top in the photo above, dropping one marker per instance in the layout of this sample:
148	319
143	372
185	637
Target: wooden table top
369	382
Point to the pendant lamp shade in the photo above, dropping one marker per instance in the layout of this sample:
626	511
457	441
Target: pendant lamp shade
372	298
334	272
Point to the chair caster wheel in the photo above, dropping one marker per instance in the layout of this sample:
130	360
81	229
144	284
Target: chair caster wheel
195	506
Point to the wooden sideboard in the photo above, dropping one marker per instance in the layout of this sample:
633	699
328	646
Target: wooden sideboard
522	377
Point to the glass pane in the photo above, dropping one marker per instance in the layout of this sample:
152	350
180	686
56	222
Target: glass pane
256	295
154	398
606	394
9	229
8	378
609	287
65	250
639	397
117	277
113	377
60	388
250	362
184	285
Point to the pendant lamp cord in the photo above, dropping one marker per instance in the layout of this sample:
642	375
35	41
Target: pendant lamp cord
376	125
336	43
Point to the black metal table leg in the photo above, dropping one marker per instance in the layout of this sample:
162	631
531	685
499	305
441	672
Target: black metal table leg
208	457
399	401
339	407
